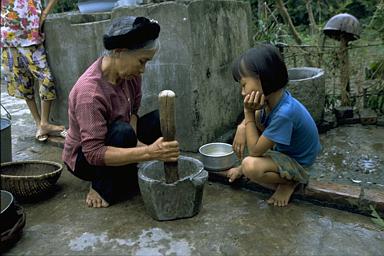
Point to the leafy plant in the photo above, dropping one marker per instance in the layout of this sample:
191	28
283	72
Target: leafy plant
376	97
376	218
65	6
268	28
331	101
375	70
377	21
268	32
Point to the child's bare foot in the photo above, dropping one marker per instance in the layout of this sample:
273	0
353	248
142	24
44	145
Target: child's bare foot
234	173
271	186
282	194
95	200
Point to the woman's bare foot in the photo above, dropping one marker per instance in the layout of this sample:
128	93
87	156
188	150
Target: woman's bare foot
234	173
282	194
51	128
40	136
95	200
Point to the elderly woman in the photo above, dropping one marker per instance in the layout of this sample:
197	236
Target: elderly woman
106	137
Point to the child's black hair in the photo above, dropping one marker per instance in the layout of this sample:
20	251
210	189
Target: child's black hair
263	62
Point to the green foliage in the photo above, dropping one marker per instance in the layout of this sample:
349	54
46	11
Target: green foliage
362	9
65	6
268	30
377	21
331	101
268	24
375	70
376	218
323	10
376	97
325	52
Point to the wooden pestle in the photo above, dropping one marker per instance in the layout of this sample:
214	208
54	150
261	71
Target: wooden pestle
168	129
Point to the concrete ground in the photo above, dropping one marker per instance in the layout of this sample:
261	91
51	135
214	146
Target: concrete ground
232	221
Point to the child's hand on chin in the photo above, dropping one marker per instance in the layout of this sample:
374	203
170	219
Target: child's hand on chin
254	101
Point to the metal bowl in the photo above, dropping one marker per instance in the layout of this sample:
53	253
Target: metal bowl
12	221
217	156
8	211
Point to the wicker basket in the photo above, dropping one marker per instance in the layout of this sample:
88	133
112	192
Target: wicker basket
29	179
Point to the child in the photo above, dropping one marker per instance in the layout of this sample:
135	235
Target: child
280	134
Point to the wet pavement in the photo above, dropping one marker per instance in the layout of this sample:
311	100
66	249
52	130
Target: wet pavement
232	221
352	154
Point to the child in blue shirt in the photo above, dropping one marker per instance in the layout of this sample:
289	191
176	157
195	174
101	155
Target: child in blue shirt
280	134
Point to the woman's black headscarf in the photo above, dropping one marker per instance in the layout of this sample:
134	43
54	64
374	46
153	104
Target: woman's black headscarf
131	33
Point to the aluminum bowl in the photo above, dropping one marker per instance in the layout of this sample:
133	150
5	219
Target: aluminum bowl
217	156
8	211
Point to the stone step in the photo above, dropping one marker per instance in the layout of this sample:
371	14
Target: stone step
341	196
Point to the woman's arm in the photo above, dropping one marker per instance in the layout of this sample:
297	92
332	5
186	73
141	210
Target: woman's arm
167	151
91	115
49	7
133	123
46	11
159	150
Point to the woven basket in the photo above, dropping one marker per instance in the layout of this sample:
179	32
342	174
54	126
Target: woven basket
29	179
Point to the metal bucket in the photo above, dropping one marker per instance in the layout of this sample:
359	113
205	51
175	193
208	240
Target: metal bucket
6	145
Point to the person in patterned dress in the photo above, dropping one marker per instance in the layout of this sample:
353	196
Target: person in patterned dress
24	60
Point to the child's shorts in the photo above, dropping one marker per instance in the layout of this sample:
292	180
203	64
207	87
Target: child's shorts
20	66
288	167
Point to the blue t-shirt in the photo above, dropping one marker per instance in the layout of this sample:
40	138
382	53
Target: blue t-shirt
292	129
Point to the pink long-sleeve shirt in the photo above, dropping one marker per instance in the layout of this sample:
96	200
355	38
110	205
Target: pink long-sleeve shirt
93	104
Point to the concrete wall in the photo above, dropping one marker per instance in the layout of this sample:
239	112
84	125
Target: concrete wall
73	42
199	40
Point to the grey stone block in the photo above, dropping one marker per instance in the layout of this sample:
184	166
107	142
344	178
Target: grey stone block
368	116
307	85
343	112
181	199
